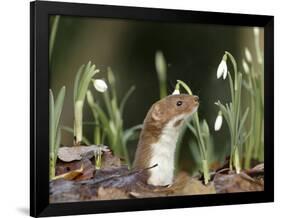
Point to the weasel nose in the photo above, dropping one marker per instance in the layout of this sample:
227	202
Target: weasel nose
196	98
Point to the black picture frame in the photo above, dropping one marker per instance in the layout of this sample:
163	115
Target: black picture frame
39	76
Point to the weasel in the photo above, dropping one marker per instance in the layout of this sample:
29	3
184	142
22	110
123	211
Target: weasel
159	135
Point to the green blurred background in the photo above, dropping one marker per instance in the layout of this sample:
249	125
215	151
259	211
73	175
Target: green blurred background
192	52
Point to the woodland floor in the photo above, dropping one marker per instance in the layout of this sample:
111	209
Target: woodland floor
77	179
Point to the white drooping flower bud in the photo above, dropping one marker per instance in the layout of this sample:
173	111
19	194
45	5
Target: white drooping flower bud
100	85
177	90
218	122
222	68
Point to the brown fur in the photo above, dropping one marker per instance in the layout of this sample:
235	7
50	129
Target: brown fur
157	117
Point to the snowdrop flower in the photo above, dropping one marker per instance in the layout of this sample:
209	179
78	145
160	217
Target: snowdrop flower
222	68
218	122
100	85
248	55
177	90
245	66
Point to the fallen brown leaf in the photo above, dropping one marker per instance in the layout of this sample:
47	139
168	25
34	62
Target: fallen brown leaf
229	183
87	173
70	175
68	154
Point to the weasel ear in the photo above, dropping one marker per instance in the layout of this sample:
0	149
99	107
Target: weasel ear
156	113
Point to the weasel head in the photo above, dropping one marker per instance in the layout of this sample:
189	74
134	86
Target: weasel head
174	107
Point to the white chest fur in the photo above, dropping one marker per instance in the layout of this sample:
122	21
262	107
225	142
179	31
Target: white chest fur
163	154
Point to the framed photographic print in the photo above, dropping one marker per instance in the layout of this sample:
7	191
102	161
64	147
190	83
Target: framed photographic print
140	109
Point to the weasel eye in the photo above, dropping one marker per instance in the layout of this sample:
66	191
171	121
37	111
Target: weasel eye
179	103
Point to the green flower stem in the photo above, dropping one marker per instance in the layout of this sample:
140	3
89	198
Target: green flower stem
237	160
108	105
206	174
97	133
52	165
251	140
255	143
163	89
196	121
98	161
235	113
78	119
198	130
55	110
97	130
202	146
259	121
